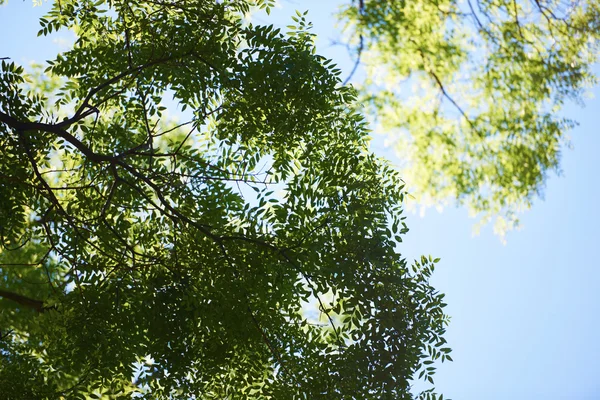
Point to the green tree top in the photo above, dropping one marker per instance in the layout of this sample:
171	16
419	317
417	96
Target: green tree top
143	258
471	91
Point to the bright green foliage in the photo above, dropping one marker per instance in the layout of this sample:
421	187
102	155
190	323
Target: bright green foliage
152	259
470	91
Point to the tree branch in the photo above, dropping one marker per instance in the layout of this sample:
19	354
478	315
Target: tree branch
361	9
24	301
26	126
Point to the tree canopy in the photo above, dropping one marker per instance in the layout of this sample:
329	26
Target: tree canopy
250	251
189	209
471	91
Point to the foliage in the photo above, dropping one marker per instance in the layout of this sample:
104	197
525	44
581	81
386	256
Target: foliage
471	91
147	258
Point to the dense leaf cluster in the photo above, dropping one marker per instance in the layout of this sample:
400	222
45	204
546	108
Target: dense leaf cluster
471	91
247	252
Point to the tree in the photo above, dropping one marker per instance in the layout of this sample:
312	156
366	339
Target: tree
147	258
471	91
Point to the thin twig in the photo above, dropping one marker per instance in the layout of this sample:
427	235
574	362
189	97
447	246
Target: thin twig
361	8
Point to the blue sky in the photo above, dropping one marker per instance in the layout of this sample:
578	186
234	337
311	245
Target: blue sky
525	315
